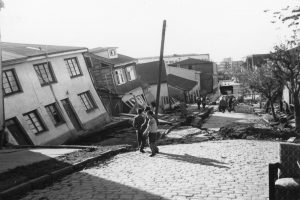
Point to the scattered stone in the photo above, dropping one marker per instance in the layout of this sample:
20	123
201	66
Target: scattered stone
250	137
291	139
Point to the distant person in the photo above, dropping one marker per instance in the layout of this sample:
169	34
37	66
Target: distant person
151	132
203	102
234	103
222	105
230	104
198	102
137	124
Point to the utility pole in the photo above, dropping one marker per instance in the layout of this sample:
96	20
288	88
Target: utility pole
2	111
160	67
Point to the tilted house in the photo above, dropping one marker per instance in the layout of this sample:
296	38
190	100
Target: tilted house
115	78
148	74
49	96
182	89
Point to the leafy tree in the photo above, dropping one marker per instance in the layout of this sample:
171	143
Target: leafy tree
285	58
265	83
286	68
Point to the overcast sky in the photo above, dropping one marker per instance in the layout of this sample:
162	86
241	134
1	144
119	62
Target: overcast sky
222	28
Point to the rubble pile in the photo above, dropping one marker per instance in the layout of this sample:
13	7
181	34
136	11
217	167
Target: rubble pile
185	135
239	130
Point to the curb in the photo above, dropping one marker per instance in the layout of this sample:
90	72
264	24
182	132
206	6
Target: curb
52	147
45	180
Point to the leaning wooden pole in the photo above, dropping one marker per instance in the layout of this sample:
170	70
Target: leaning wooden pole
160	67
2	111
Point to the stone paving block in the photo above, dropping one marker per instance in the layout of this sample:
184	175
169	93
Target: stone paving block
187	171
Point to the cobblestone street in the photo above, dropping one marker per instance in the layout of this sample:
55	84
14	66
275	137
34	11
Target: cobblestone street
228	169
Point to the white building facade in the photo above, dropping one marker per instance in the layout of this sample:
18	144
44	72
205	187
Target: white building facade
49	97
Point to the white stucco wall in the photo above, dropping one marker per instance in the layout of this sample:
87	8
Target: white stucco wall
36	97
184	73
163	90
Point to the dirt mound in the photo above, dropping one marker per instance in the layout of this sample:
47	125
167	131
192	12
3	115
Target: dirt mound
238	130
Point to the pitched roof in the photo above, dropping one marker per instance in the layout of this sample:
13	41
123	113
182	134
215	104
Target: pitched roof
190	61
99	49
129	86
148	72
181	83
13	51
122	59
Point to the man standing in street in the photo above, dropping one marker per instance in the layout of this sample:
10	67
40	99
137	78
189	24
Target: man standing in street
137	124
199	102
151	131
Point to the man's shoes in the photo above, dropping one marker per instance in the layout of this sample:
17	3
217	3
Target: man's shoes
157	151
151	155
142	151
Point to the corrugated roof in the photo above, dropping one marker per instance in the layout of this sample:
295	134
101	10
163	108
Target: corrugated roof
12	51
181	83
148	72
190	61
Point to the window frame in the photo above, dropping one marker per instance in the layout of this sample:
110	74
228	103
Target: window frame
88	95
128	75
36	66
112	53
16	80
121	71
69	68
63	121
40	120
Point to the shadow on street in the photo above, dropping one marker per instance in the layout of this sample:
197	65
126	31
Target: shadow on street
195	160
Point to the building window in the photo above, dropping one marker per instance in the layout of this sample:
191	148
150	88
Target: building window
112	53
45	73
34	122
130	73
10	82
88	101
73	67
119	76
54	114
190	67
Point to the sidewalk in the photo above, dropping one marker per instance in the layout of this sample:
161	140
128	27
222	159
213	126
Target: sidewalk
12	158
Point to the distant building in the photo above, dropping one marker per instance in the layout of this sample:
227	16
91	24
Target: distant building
207	70
115	79
171	59
256	60
49	96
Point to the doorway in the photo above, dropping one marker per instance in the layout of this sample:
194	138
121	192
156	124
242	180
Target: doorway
72	114
17	131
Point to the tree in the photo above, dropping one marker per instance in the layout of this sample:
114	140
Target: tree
265	83
286	68
285	58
